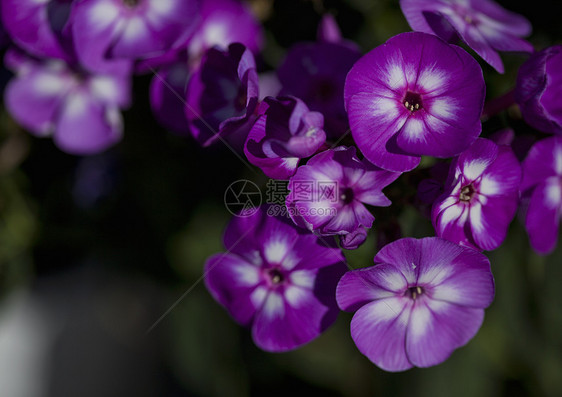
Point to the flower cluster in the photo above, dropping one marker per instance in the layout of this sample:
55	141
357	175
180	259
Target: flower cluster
338	127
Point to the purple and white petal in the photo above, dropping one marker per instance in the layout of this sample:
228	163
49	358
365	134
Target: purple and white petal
359	287
437	328
33	98
379	331
224	22
235	284
86	126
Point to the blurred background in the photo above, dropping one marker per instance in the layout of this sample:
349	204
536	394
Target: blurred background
101	260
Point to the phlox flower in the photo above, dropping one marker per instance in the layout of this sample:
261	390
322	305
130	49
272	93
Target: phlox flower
480	197
276	278
483	25
329	193
414	95
105	30
80	110
422	300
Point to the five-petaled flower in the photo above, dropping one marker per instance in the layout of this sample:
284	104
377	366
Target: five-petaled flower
80	110
341	185
414	95
277	278
480	198
105	30
422	300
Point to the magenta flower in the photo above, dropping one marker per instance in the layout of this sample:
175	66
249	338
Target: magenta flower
81	111
481	196
414	95
222	96
284	133
483	25
276	278
37	26
422	300
329	192
542	186
539	88
130	29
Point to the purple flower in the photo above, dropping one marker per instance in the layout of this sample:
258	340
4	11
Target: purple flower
315	72
480	198
222	22
37	26
542	185
422	300
285	132
483	25
539	88
222	96
81	111
276	278
130	29
414	95
329	192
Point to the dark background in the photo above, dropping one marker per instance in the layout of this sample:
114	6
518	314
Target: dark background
93	251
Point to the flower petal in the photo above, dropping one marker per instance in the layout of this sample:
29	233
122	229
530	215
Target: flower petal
359	287
476	159
235	284
289	320
464	279
405	254
379	331
436	329
86	126
449	222
543	215
34	98
376	143
543	160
